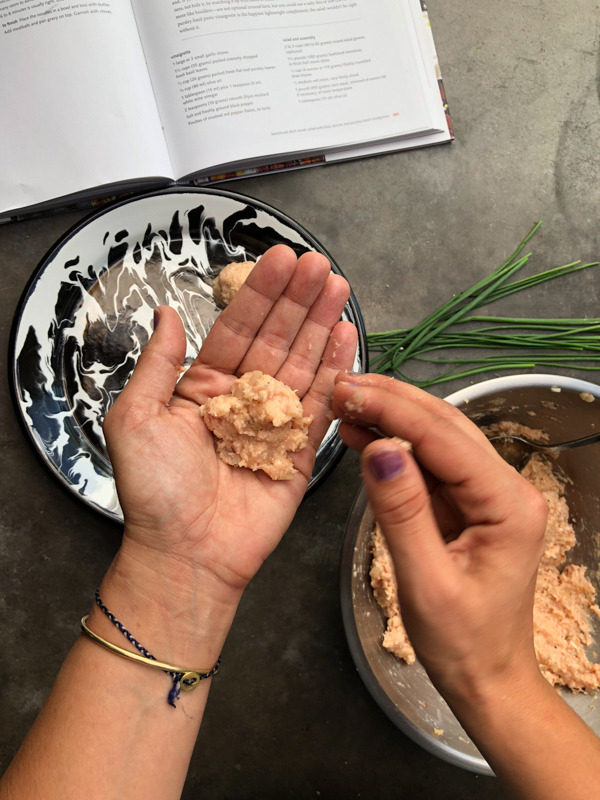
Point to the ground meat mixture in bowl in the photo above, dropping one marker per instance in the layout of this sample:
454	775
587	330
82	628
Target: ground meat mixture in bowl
566	614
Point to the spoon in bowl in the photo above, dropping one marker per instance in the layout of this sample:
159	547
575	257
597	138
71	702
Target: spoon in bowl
517	451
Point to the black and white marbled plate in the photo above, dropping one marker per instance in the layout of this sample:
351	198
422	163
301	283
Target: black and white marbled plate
87	314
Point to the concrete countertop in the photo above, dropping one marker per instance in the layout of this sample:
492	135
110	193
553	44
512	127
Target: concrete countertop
288	715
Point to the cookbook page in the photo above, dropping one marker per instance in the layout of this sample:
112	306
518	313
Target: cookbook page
78	109
438	100
237	80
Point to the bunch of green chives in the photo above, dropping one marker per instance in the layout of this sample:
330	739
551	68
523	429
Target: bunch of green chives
534	342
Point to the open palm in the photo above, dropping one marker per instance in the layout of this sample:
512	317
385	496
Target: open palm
177	495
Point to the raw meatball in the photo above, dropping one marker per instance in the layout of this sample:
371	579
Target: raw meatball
258	425
229	280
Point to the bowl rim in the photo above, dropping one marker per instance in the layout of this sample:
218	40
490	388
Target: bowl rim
483	388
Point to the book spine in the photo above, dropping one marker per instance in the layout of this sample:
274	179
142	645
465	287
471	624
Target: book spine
438	71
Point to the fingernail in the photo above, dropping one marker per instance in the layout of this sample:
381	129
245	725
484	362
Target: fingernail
385	465
346	377
156	318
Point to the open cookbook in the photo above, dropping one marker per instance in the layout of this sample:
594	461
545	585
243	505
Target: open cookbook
112	96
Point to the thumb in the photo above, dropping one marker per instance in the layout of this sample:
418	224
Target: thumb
401	505
159	366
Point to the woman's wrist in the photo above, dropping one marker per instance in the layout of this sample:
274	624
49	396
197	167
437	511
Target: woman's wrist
487	703
177	610
481	680
530	737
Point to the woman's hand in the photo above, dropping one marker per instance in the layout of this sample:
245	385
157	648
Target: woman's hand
179	499
466	532
464	529
196	531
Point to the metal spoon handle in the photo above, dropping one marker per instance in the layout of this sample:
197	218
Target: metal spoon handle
568	445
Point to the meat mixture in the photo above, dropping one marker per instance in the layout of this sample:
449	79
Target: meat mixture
228	282
385	589
564	597
258	425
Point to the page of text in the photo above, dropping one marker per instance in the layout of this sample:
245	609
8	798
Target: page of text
77	105
243	79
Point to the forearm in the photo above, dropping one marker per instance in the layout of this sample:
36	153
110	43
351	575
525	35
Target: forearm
535	743
107	730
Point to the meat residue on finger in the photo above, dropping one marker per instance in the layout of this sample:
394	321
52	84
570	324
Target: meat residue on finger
258	425
355	403
229	281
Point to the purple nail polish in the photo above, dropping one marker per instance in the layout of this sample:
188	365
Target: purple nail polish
156	318
385	465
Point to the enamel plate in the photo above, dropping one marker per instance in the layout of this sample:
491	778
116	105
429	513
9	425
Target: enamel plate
87	314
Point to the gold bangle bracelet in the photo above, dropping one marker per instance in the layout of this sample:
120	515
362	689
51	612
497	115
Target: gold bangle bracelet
191	677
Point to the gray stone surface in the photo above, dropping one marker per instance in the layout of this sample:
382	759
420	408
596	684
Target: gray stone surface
288	716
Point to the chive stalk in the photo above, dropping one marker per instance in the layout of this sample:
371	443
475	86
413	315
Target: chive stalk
566	342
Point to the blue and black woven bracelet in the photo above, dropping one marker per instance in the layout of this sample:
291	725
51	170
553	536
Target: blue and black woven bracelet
176	676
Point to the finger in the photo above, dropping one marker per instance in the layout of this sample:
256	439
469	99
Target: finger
449	520
159	366
482	483
298	371
306	353
236	327
401	505
199	383
410	392
356	437
276	335
341	349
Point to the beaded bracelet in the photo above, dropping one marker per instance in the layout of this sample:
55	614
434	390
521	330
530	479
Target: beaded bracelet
184	679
